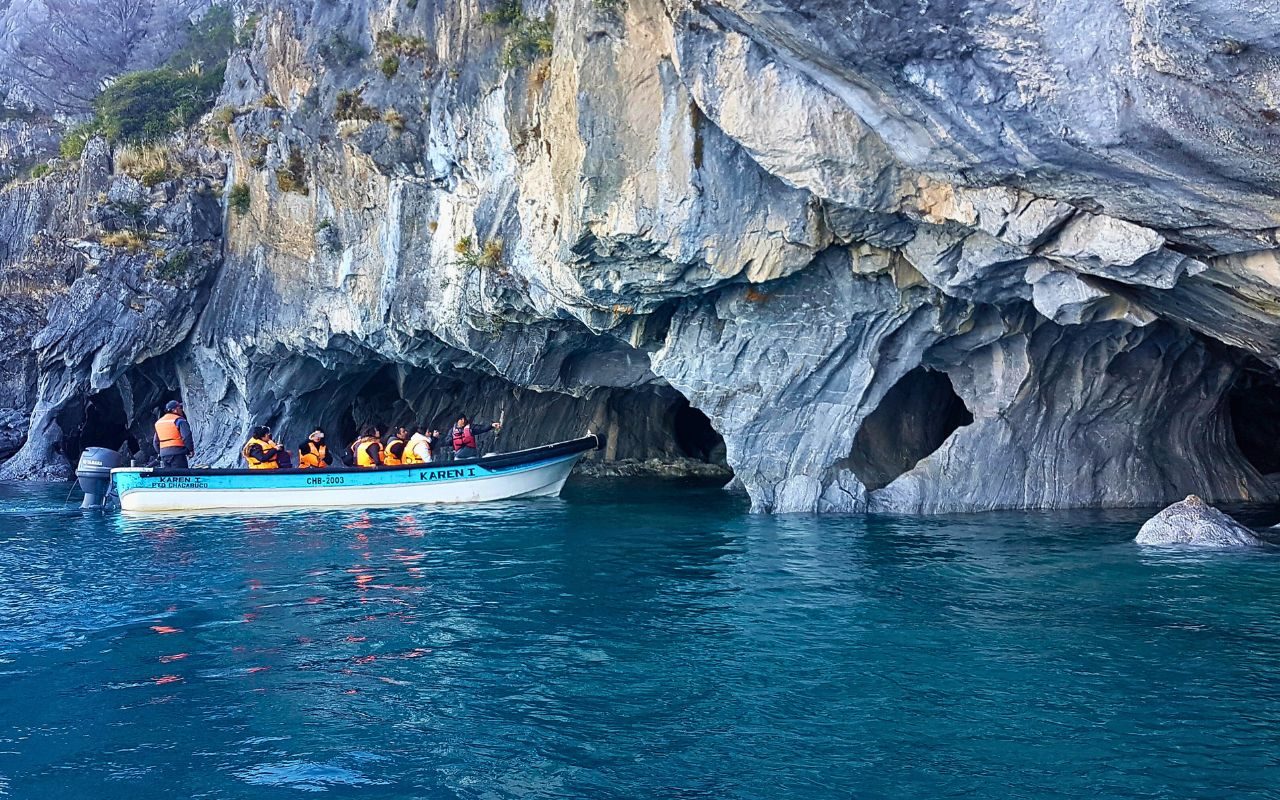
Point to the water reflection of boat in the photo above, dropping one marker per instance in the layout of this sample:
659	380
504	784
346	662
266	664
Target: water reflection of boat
537	472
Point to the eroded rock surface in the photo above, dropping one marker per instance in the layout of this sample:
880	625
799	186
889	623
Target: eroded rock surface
871	257
1194	523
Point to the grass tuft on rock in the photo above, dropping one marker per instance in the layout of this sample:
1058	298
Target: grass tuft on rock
350	104
133	241
477	256
238	198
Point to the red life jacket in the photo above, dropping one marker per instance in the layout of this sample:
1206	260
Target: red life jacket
462	437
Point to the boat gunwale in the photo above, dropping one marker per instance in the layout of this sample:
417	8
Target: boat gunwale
541	452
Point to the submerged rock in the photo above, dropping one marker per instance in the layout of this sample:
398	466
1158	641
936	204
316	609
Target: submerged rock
1194	522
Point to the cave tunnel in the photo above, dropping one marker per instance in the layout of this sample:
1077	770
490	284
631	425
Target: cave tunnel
1254	403
98	420
912	421
640	423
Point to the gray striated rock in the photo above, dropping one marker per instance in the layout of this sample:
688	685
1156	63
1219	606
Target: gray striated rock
901	257
1194	523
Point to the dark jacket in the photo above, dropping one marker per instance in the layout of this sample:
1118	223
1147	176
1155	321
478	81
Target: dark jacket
328	452
270	454
477	430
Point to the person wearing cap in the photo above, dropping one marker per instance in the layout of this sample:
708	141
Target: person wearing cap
173	440
314	453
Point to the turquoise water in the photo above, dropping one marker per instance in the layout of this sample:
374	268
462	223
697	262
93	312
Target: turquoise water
628	641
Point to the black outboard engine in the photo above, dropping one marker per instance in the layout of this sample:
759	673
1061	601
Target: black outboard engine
93	473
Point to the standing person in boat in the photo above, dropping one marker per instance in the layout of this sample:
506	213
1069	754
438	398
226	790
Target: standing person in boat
421	446
367	450
393	452
463	437
314	453
262	452
173	440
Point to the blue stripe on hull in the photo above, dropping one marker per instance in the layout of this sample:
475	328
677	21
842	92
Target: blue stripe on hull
129	481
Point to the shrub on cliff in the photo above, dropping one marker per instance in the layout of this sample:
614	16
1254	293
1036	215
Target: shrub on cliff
145	106
151	104
293	177
395	43
390	65
238	198
475	256
72	145
350	104
527	38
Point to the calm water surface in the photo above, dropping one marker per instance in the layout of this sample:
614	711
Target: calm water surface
627	641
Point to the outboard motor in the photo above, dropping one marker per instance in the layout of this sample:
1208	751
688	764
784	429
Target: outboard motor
93	473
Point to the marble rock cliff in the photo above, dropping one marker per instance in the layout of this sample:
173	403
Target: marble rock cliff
888	256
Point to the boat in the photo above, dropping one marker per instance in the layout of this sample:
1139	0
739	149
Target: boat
536	472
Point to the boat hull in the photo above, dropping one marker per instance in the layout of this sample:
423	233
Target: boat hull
539	472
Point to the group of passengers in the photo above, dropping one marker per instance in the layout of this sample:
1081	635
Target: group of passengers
174	444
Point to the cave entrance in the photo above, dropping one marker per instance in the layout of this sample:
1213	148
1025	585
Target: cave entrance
1254	403
641	424
99	421
694	436
913	420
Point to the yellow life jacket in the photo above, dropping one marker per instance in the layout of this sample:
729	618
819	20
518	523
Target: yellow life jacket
363	457
267	446
389	458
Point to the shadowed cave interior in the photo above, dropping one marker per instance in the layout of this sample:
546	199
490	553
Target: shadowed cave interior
913	420
1254	405
643	423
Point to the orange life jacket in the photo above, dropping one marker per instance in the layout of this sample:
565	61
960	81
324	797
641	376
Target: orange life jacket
266	446
167	431
389	458
363	457
312	455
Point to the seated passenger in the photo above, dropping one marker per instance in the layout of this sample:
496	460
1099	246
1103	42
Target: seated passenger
421	446
367	450
314	453
261	451
393	453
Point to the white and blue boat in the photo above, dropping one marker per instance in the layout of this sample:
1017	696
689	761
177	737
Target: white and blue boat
536	472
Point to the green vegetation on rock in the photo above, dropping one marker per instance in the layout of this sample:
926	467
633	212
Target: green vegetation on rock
238	198
72	145
150	104
293	176
350	104
395	43
476	256
527	38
